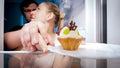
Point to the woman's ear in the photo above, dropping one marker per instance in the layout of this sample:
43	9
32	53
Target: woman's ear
50	16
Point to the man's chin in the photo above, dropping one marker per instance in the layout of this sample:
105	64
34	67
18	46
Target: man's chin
32	19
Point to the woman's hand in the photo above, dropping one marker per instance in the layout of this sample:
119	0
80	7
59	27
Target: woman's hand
34	36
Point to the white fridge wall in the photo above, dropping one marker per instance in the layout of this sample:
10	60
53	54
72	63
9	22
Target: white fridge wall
113	21
1	30
90	20
113	28
90	30
1	23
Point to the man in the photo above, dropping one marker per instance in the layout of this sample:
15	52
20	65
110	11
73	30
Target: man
26	7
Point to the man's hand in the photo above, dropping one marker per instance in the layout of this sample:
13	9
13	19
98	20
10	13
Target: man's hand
34	36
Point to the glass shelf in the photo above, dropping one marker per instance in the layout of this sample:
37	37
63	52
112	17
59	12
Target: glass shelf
57	57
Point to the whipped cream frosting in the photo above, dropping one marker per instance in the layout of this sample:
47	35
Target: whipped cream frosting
69	33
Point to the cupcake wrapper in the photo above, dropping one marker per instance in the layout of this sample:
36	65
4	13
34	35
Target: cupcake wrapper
70	43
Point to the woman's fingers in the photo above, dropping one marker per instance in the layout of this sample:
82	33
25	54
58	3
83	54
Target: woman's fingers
50	42
42	44
43	31
38	42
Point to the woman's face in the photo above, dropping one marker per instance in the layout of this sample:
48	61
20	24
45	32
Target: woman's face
41	13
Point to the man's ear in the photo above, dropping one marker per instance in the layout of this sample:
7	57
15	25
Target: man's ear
50	16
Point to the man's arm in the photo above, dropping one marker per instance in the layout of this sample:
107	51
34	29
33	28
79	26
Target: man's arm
12	40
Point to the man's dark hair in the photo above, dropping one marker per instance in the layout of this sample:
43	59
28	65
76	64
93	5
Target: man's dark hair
25	4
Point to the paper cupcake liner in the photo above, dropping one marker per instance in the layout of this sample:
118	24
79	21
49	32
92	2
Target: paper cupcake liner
70	43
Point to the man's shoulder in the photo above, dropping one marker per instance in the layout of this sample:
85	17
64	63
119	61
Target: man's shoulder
16	28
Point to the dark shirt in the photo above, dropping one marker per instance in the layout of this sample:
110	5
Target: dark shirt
16	28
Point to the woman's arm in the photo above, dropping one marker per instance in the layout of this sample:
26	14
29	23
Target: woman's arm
12	40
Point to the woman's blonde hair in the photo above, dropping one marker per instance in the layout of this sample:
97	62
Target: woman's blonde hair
53	8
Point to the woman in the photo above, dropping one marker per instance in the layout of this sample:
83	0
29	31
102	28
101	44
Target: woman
39	33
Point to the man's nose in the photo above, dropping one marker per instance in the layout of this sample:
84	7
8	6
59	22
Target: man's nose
33	12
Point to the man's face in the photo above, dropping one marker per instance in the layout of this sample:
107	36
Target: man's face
28	11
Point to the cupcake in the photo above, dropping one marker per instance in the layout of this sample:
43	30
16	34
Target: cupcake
69	37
